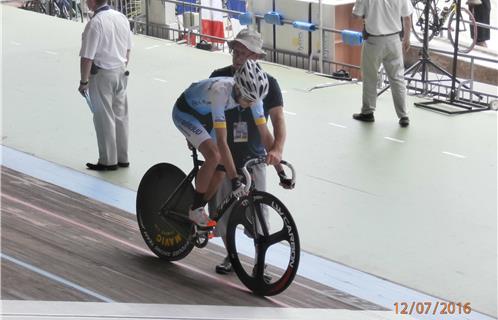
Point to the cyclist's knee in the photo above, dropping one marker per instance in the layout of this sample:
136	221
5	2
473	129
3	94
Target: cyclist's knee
212	156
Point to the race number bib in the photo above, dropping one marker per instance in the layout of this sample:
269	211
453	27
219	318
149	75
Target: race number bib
240	132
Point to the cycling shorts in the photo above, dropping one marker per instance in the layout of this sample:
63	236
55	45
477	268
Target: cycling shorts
191	128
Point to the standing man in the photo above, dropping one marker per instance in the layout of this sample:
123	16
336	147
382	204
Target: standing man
105	52
243	137
384	43
481	10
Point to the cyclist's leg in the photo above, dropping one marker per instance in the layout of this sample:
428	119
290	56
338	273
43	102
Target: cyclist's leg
211	155
215	183
197	135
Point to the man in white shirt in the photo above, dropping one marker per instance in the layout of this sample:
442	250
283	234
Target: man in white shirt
383	26
105	52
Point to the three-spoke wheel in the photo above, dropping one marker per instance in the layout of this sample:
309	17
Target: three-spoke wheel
253	246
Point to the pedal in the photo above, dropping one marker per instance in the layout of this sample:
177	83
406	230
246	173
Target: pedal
210	226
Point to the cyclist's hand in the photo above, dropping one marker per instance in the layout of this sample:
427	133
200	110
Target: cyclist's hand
285	182
238	188
273	157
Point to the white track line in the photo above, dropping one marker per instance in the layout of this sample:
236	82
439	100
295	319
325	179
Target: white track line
290	113
152	47
51	52
161	80
454	155
394	140
337	125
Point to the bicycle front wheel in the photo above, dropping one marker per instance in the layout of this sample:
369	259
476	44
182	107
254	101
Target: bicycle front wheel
165	229
418	20
265	256
467	30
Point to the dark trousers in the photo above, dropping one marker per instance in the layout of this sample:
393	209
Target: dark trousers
481	14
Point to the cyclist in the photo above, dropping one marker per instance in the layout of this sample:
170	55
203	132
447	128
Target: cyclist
243	138
199	113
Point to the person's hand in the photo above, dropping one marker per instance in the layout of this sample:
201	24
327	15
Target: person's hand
82	88
238	188
285	182
273	157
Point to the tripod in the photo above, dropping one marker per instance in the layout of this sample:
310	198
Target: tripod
423	64
454	101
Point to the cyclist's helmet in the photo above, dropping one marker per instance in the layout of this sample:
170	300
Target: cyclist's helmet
252	81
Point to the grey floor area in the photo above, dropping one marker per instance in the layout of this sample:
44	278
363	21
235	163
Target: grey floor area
416	206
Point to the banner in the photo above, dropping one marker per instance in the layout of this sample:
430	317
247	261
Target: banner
212	21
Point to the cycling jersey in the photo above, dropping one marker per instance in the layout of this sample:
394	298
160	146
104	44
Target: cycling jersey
211	96
215	96
252	147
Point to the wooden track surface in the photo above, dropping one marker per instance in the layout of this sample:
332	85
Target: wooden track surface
100	248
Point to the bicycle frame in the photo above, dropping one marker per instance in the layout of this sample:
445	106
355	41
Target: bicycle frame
222	207
229	199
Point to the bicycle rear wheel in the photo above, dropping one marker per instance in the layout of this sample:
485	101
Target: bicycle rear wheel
418	20
467	30
275	243
166	234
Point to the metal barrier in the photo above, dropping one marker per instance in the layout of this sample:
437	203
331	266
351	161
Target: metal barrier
313	62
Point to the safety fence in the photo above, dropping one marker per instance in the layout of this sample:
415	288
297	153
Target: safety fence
187	28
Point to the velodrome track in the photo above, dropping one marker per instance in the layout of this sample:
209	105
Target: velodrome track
416	207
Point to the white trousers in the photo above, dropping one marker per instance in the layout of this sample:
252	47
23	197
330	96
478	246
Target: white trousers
388	51
259	176
107	90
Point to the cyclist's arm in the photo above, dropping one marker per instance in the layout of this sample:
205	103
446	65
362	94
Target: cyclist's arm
226	155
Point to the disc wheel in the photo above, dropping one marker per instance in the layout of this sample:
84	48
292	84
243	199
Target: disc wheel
264	256
167	234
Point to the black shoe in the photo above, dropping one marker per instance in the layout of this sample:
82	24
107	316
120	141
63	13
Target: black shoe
101	167
225	267
123	164
404	122
341	75
365	117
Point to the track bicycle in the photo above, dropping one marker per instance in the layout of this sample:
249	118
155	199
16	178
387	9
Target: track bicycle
164	196
438	17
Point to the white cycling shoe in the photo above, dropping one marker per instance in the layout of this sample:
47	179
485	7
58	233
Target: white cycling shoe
200	218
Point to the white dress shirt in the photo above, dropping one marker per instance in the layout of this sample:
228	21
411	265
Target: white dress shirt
383	16
106	39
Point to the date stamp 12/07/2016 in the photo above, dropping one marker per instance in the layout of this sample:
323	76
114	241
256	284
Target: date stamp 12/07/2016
432	307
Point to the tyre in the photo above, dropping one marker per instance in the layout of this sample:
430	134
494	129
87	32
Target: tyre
418	20
467	34
168	233
252	247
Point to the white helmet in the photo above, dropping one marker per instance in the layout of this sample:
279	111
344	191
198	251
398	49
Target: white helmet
252	81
